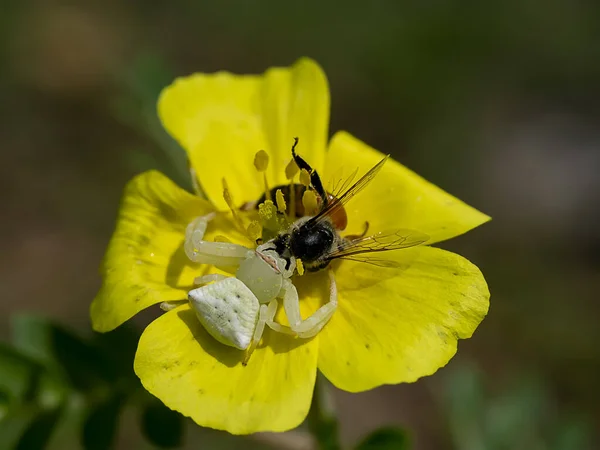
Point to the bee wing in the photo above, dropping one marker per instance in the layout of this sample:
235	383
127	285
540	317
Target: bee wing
339	203
379	262
379	242
340	183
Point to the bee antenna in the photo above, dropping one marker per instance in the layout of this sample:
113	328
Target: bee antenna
294	146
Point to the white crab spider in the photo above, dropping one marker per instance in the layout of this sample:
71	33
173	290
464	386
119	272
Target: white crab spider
235	310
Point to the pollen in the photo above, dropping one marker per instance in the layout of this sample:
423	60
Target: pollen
305	177
291	170
261	163
230	203
281	206
266	210
299	266
261	160
254	230
309	201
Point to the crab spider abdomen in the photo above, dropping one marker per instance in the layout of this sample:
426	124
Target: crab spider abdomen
228	310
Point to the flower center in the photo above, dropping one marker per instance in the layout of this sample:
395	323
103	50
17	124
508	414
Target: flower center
279	207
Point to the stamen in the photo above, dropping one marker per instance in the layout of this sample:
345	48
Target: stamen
196	184
267	212
290	172
309	200
299	266
254	230
291	169
261	163
261	160
229	200
305	177
281	206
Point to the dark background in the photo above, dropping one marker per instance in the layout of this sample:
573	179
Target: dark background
495	101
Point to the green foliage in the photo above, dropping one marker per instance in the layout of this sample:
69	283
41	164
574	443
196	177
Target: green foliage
522	416
322	420
59	391
135	107
162	426
389	438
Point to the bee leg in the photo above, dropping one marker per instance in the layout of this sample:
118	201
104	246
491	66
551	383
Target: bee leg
310	326
358	236
315	179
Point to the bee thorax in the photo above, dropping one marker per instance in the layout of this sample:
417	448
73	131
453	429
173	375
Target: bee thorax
310	243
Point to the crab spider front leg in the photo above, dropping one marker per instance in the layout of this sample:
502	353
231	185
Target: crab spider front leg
220	254
310	326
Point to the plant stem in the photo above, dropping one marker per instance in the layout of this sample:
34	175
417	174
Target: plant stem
322	420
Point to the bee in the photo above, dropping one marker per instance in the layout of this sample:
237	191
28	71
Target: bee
316	240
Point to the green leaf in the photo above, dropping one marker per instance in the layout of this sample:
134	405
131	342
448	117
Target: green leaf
142	83
119	347
67	430
60	351
39	431
100	426
17	374
389	438
61	391
518	414
14	425
573	432
4	401
162	426
463	397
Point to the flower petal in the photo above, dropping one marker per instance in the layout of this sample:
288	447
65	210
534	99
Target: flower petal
190	372
397	197
397	325
223	119
145	263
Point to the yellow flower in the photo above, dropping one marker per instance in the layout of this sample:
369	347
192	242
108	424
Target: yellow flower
392	325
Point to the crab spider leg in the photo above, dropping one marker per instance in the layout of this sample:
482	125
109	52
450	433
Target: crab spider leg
205	279
265	315
281	328
216	253
274	325
168	306
310	326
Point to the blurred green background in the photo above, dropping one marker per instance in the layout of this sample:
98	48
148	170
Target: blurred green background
496	101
